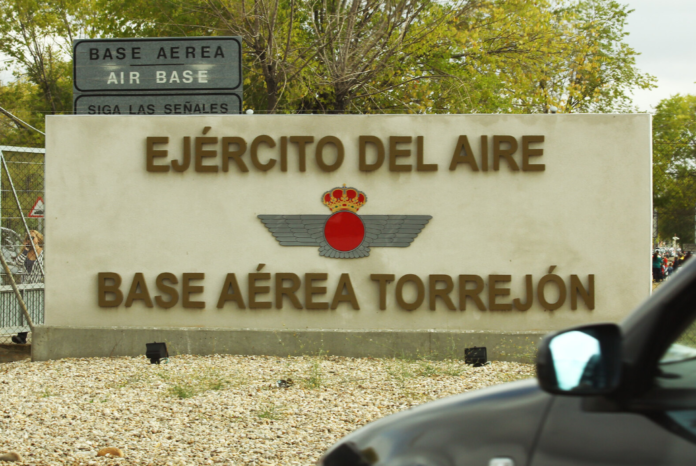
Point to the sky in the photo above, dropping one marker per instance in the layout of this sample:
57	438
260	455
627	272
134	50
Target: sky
664	33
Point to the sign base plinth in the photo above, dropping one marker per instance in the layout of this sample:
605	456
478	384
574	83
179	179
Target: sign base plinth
52	343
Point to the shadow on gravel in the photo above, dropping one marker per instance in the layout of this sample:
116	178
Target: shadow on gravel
13	352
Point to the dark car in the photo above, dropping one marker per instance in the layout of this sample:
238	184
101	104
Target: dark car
605	394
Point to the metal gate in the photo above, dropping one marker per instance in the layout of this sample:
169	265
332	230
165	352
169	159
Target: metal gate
21	239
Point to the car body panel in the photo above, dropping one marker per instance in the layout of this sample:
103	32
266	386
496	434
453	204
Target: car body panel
573	436
639	424
467	429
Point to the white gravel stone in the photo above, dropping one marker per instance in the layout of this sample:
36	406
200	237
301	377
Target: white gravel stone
214	409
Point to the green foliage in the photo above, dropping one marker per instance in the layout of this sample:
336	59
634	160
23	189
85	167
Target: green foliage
36	36
182	390
596	70
314	379
674	167
269	411
360	56
403	369
22	99
193	385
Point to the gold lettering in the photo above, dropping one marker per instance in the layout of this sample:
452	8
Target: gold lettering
311	290
187	289
443	293
363	141
235	295
319	153
151	153
236	155
472	293
103	289
255	289
289	291
527	152
183	166
142	295
168	290
394	153
587	294
468	157
519	305
264	167
201	154
382	279
421	166
284	153
301	142
499	152
420	292
494	291
344	283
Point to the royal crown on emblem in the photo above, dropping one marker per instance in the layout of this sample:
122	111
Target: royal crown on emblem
344	199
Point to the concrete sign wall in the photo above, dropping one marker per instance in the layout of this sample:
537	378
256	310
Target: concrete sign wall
485	223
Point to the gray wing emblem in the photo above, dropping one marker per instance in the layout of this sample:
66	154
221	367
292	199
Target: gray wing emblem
395	231
296	230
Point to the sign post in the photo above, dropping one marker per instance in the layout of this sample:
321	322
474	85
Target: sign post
654	228
164	76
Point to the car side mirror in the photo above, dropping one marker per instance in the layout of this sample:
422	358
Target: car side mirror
581	361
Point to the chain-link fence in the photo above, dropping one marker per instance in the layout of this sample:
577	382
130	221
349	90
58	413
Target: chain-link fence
21	242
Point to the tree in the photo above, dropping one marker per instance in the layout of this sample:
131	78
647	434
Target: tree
498	56
359	40
674	166
498	52
599	72
361	56
30	36
272	35
21	98
37	37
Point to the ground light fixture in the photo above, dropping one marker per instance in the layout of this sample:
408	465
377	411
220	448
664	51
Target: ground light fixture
156	352
476	356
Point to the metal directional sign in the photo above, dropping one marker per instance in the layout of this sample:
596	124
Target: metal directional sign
158	74
158	104
184	64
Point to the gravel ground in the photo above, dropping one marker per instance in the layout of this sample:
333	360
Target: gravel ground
214	409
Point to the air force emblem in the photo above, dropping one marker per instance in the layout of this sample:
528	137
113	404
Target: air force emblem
344	234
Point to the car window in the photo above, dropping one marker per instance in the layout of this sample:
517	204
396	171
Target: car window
677	367
683	348
677	370
685	419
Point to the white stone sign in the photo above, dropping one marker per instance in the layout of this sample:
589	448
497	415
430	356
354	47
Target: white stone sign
519	223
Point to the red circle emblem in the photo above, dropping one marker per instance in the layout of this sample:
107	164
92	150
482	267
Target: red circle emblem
344	231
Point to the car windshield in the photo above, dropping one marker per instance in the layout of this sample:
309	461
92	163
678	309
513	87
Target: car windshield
683	349
677	352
